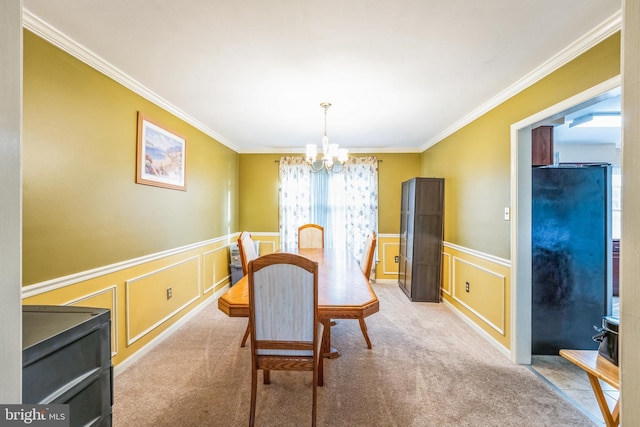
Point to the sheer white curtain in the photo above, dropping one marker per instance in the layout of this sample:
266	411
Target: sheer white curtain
361	187
294	199
345	204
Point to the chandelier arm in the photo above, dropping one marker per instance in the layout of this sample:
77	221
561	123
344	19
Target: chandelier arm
316	166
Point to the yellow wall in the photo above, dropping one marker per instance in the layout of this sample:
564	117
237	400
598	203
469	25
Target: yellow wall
393	171
91	235
475	161
81	206
258	199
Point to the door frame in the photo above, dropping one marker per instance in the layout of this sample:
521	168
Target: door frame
520	201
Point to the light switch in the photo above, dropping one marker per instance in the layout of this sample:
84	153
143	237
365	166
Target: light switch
506	214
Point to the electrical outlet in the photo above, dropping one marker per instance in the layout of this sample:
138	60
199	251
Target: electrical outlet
466	286
169	292
397	258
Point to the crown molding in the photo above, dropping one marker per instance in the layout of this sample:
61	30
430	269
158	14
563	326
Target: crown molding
577	48
352	150
39	27
42	29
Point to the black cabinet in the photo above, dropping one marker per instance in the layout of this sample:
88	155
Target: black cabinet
421	233
570	256
66	359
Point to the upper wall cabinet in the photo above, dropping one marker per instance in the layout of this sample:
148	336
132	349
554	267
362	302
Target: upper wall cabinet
542	146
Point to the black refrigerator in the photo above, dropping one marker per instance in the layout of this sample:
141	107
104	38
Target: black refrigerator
571	249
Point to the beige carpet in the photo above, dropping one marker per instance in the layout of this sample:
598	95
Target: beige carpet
426	368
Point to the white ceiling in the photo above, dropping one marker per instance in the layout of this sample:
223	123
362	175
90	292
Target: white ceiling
609	103
400	73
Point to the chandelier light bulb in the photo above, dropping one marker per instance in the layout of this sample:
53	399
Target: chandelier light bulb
312	152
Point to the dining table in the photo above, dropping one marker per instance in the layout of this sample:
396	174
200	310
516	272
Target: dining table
343	292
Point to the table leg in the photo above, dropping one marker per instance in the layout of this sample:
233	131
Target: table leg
616	413
328	351
611	419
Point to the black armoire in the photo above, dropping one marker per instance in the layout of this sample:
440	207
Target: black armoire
421	233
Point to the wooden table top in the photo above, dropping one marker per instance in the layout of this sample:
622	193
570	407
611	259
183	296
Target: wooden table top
343	291
590	361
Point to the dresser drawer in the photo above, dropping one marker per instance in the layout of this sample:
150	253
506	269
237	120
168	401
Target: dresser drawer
66	359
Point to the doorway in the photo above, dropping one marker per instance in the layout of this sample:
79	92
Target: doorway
521	207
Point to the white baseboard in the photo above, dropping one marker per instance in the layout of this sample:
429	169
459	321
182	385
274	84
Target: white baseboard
502	349
386	281
122	366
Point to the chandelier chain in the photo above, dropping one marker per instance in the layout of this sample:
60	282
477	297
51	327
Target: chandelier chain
326	106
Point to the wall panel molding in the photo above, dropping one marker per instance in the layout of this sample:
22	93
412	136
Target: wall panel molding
213	273
446	287
385	268
61	282
266	242
133	336
113	290
502	283
120	367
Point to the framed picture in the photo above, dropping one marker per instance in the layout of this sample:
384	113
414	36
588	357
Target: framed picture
161	156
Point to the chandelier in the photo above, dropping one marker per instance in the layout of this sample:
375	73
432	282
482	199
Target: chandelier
333	157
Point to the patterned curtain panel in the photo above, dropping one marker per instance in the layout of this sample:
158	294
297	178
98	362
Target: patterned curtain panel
361	183
345	204
294	199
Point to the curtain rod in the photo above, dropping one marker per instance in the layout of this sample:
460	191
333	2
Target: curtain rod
278	161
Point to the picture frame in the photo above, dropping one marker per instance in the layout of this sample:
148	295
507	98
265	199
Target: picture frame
160	156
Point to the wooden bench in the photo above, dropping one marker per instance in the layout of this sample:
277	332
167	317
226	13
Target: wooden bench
598	368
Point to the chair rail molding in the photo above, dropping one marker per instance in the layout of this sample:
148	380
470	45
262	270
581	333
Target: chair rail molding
71	279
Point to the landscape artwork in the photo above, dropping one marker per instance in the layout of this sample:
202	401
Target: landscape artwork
160	156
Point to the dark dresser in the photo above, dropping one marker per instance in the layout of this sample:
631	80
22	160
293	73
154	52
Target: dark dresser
66	359
421	235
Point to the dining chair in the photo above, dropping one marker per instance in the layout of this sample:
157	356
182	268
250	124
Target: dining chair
283	314
248	253
310	236
366	263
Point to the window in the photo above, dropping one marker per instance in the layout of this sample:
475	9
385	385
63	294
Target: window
328	207
345	204
616	205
